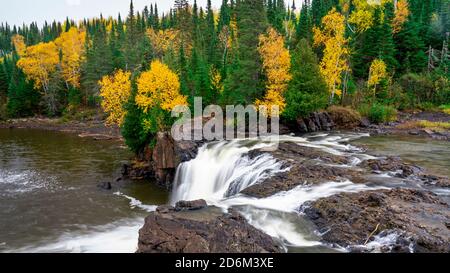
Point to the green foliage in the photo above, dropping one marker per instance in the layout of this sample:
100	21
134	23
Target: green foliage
23	100
421	88
382	113
307	90
132	130
244	83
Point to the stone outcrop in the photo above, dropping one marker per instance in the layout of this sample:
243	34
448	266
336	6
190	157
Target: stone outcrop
193	227
319	121
305	165
416	220
161	162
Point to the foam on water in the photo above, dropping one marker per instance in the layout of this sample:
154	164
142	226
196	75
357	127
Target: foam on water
134	203
119	237
222	170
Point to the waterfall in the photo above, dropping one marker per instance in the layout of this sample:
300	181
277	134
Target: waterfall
222	170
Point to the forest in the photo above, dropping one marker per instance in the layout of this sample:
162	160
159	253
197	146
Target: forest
374	56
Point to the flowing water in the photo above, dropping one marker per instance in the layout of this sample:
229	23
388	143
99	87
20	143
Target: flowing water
49	201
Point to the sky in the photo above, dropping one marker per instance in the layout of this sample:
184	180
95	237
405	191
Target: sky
17	12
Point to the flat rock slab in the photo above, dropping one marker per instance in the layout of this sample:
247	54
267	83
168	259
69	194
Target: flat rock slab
203	230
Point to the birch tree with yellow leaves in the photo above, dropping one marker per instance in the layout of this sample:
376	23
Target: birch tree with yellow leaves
115	91
19	44
158	93
276	62
378	72
39	62
335	59
72	47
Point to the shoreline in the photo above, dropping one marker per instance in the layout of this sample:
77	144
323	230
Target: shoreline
94	129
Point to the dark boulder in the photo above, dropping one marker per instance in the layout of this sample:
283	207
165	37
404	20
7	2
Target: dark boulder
318	121
190	205
105	186
205	230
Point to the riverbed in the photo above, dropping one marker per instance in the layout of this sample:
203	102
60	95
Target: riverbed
50	200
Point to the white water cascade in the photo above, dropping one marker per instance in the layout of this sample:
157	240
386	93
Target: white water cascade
222	170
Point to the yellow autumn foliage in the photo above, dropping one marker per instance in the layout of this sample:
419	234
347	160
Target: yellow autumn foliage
334	62
216	80
163	40
72	47
377	72
19	44
401	15
38	63
115	91
159	86
276	64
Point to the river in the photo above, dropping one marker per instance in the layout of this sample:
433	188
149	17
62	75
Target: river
49	200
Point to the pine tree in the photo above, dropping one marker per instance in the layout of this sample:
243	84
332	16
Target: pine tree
244	83
304	27
375	43
211	36
23	100
307	91
410	48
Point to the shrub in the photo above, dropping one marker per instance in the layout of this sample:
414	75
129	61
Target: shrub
445	108
364	110
382	113
425	124
344	117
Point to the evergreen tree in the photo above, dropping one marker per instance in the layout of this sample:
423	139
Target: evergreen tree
244	83
23	100
410	48
304	27
375	43
307	91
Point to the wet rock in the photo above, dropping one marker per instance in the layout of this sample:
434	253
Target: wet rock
138	170
435	181
191	205
302	127
356	219
391	164
305	165
164	159
206	230
318	121
365	123
105	186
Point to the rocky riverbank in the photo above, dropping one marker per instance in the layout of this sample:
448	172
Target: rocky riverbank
424	124
398	220
194	227
94	128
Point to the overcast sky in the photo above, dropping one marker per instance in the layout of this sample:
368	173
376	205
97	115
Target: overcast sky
20	11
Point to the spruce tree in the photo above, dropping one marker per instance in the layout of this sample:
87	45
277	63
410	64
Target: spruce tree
410	48
307	91
244	83
304	27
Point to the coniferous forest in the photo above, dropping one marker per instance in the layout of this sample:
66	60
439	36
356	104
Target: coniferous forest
376	57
